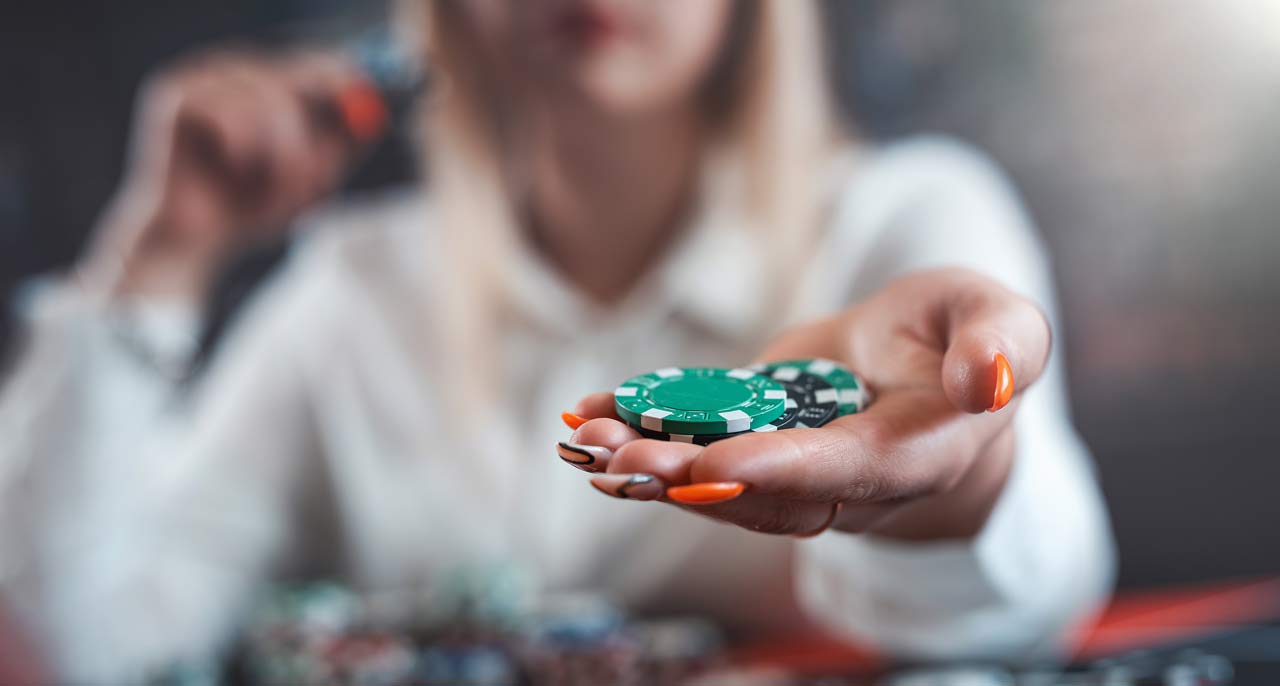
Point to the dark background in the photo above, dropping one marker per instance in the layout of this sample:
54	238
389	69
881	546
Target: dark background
1142	133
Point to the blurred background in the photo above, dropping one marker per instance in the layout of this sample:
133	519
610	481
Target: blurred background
1142	134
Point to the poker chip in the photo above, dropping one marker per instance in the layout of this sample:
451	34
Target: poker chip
953	676
811	401
326	635
817	399
700	400
852	393
696	439
474	665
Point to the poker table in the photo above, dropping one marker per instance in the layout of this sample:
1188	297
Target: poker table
1210	635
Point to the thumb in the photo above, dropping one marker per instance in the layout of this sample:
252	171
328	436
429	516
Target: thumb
997	344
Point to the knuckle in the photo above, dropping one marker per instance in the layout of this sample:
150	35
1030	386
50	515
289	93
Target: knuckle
861	489
881	463
839	445
866	453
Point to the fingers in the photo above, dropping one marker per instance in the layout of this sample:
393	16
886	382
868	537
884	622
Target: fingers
946	345
596	405
284	160
911	444
769	514
666	460
997	343
336	79
959	512
607	445
216	123
673	463
908	445
591	447
325	79
249	123
302	155
636	468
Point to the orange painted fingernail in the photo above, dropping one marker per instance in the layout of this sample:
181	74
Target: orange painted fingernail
1004	383
572	420
706	493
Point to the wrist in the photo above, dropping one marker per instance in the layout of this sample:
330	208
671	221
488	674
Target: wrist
138	253
173	277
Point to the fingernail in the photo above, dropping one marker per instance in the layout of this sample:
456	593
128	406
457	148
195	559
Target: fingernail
572	420
1004	383
706	493
633	486
588	458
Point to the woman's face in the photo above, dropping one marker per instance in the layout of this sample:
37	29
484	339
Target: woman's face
621	56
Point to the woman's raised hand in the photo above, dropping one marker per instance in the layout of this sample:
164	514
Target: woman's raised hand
946	354
225	149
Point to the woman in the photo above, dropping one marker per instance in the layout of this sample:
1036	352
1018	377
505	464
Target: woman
614	187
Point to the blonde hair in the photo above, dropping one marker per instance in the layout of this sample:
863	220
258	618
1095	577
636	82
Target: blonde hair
769	104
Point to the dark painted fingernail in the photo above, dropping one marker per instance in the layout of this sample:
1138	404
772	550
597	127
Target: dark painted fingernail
706	493
632	486
1004	383
572	420
588	458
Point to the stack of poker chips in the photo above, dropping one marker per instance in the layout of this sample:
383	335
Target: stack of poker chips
702	405
315	634
322	634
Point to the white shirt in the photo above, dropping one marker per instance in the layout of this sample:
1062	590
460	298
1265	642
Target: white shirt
319	442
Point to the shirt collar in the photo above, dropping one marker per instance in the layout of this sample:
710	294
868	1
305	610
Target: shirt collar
716	275
713	276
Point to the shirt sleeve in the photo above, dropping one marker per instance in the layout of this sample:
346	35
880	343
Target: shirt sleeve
72	342
1044	560
74	400
199	510
214	520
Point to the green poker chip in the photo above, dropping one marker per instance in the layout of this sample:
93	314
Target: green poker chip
851	393
700	400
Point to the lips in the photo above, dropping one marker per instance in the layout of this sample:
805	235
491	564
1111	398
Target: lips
587	26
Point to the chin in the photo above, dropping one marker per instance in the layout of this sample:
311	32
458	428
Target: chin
620	96
620	104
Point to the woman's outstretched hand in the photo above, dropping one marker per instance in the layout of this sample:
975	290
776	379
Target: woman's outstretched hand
946	354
